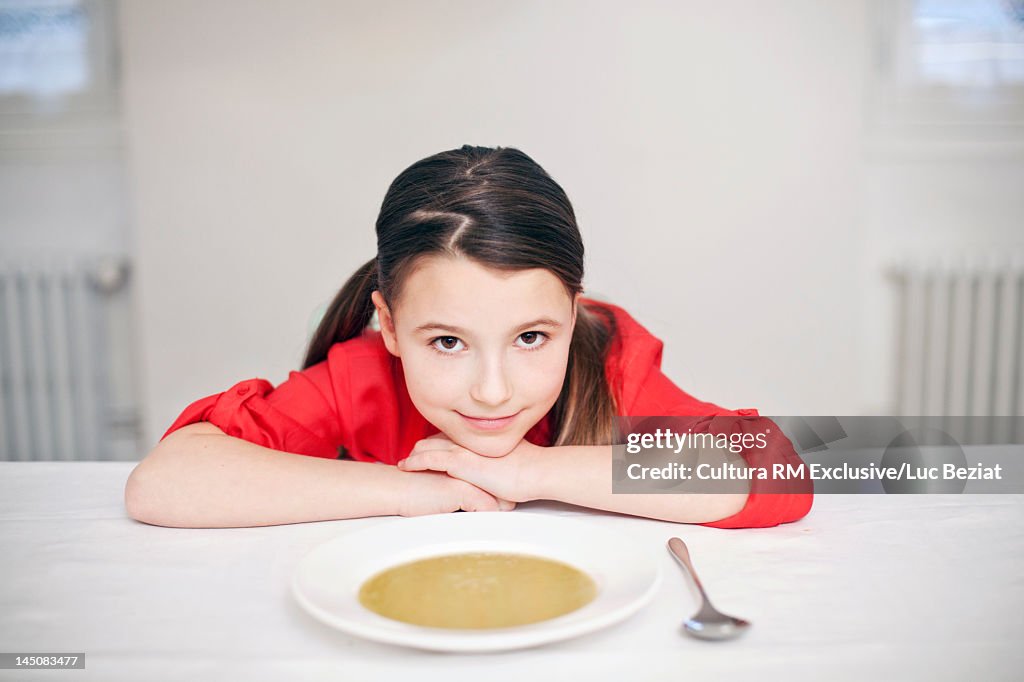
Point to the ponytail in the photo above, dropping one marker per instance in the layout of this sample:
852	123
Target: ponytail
346	316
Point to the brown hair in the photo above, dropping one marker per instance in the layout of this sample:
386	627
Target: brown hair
499	208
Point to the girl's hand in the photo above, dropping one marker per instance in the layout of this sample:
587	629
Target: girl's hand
506	478
430	492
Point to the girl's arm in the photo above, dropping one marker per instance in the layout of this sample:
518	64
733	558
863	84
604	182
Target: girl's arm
582	475
199	477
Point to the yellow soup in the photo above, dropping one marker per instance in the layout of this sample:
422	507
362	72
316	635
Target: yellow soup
477	590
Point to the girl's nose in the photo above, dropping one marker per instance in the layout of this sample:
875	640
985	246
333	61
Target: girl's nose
491	386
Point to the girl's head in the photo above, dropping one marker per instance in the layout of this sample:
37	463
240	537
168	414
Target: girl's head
476	282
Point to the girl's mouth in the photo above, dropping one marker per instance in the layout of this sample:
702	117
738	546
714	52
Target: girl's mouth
491	423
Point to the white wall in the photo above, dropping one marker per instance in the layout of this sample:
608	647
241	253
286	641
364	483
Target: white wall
964	204
63	203
714	152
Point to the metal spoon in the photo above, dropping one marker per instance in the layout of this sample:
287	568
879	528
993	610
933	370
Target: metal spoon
709	622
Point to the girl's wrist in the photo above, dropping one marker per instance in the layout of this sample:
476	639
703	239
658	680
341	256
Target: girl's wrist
574	474
544	474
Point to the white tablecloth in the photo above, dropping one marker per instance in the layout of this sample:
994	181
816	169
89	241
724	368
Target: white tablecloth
927	587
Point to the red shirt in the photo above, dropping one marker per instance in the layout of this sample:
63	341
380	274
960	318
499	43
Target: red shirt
357	399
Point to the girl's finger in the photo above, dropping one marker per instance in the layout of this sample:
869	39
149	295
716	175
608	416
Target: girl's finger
411	463
475	499
427	460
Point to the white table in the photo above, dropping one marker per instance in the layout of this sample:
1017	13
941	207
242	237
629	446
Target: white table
927	587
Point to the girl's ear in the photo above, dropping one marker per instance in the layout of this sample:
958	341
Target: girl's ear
387	323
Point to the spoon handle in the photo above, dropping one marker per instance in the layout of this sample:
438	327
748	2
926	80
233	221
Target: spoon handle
682	555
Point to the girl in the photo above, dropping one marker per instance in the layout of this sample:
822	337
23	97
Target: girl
491	380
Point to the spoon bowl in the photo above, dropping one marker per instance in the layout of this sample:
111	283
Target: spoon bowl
712	630
708	623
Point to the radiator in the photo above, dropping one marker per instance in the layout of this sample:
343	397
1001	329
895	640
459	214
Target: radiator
57	379
959	352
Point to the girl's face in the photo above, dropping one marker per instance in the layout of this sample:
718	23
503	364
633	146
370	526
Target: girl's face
484	351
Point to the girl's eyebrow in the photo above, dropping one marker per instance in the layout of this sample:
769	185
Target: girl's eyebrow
539	322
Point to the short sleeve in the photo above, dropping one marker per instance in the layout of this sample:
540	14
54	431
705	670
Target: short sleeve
299	416
771	501
646	391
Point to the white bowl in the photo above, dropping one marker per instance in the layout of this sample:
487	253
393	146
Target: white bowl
327	580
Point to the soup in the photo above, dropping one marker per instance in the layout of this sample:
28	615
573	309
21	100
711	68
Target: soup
477	590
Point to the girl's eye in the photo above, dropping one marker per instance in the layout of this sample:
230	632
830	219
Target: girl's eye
534	340
447	345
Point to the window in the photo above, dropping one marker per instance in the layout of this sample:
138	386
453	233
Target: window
968	45
948	72
57	62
